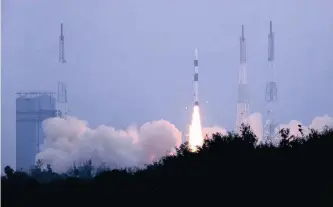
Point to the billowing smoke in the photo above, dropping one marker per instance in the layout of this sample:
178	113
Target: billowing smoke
319	123
209	131
294	127
255	121
71	140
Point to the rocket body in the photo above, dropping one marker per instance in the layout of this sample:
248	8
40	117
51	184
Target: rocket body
196	78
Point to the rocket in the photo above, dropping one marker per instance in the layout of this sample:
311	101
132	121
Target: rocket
196	78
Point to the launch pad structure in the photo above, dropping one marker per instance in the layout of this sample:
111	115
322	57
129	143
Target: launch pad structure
270	125
243	105
62	88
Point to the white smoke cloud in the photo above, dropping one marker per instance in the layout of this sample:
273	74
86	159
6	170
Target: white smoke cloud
255	121
318	123
71	140
293	126
209	131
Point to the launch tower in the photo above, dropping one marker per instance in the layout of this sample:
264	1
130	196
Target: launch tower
62	89
270	126
243	106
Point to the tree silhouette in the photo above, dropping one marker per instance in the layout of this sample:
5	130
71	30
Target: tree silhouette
9	171
230	170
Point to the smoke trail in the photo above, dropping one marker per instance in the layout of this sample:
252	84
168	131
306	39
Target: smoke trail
71	140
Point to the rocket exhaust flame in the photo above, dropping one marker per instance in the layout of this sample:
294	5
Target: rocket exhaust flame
196	138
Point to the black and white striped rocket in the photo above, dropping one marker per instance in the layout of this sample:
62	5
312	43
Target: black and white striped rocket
196	78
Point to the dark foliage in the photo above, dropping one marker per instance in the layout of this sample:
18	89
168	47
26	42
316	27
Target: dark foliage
227	170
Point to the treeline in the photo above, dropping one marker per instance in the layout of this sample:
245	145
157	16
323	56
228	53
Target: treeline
229	170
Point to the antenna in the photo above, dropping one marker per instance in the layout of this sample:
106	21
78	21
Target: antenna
62	89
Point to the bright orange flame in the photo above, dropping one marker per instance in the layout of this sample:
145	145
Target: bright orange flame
196	138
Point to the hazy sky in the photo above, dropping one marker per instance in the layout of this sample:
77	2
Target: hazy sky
131	61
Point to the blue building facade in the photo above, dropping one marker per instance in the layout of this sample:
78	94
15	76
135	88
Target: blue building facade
31	110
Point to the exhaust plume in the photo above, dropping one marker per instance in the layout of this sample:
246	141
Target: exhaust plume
71	140
196	138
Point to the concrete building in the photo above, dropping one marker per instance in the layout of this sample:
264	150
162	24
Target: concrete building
31	110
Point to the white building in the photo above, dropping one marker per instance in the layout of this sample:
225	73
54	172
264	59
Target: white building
31	110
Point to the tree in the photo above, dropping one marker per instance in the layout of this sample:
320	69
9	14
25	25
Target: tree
86	169
36	170
9	171
73	171
102	168
49	169
227	168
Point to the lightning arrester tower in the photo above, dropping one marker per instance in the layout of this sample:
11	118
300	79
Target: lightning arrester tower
270	126
243	105
62	89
